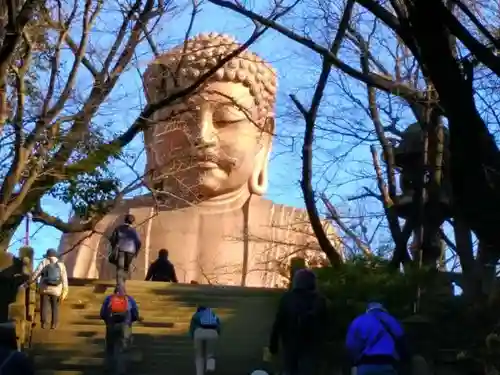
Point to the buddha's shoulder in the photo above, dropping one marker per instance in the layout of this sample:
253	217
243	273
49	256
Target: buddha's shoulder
283	213
277	210
139	201
256	202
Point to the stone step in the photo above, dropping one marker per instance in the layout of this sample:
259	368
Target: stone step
84	328
148	322
135	355
98	339
82	360
67	372
176	288
74	356
97	368
161	344
97	357
181	366
166	370
154	311
148	317
94	348
151	302
167	296
149	298
98	371
153	344
79	304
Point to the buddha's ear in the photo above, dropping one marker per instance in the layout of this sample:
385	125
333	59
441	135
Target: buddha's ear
259	180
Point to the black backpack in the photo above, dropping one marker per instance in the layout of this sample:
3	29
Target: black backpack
51	274
126	243
306	314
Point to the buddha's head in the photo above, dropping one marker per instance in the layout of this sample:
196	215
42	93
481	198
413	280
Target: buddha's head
218	138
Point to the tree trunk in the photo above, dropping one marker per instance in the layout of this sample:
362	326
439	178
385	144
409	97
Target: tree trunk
7	232
473	151
326	246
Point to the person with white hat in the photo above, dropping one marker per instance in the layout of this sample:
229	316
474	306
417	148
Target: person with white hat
53	286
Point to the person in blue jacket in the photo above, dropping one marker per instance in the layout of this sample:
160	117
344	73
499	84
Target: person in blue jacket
119	311
376	342
125	241
204	330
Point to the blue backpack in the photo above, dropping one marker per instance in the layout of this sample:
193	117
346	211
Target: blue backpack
208	319
51	274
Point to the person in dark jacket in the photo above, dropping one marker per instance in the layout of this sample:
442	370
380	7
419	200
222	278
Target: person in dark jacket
300	325
119	311
376	342
162	269
12	362
124	241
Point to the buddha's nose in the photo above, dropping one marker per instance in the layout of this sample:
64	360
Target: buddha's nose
205	129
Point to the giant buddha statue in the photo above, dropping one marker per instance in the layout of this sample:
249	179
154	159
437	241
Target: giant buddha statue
207	170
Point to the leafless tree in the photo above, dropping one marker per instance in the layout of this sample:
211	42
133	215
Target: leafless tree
405	62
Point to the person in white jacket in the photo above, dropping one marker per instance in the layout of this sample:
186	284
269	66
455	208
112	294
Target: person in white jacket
53	286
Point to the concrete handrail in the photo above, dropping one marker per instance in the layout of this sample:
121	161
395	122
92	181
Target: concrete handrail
22	311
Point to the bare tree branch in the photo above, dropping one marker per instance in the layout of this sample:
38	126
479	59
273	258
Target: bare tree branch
375	80
334	215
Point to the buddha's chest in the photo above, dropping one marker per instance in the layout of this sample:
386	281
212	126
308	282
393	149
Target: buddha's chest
208	231
206	244
170	224
224	245
190	234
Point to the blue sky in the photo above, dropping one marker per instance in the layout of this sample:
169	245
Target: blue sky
297	73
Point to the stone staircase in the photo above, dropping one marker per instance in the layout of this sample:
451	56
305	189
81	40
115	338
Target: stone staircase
161	344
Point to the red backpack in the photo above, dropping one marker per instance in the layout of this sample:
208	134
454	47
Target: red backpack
118	308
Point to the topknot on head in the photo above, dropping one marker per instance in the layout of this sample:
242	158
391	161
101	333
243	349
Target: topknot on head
184	64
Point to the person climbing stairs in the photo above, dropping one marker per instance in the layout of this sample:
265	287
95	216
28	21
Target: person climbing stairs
161	343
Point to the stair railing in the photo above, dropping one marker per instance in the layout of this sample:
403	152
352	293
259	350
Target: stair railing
22	311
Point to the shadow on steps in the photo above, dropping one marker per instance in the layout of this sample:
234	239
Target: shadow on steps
160	347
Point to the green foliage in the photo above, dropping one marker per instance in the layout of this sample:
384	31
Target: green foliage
442	323
86	188
41	48
350	287
88	193
89	150
360	281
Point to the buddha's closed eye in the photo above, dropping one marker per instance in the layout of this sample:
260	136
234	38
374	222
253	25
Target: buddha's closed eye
229	115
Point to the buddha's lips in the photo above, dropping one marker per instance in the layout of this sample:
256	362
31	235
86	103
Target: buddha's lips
212	159
207	165
199	159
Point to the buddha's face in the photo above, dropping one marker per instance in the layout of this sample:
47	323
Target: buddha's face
210	143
